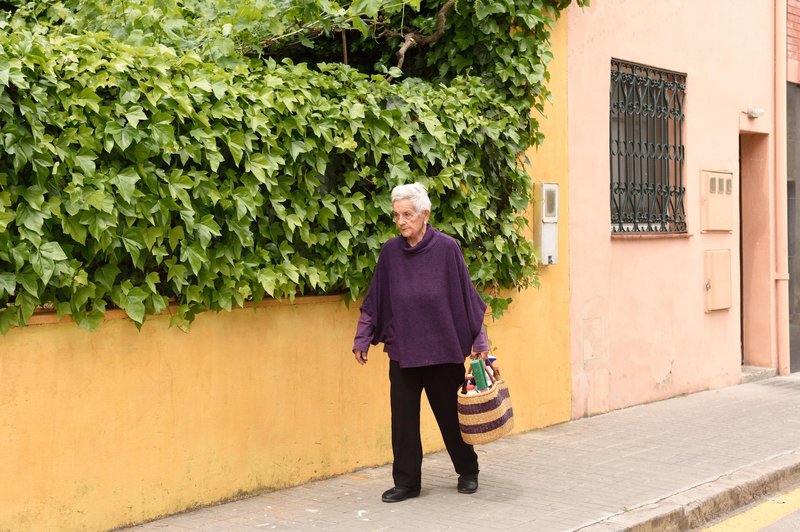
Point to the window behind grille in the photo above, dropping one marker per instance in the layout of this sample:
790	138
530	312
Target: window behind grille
646	149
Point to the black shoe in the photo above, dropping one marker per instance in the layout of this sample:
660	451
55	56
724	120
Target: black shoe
468	483
397	494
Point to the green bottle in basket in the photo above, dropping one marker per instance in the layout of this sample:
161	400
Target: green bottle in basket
479	374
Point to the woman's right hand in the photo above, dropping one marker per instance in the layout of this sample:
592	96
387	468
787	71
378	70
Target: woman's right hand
361	356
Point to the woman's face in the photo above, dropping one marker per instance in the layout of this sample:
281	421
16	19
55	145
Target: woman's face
410	223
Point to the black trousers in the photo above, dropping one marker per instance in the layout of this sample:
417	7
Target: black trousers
440	383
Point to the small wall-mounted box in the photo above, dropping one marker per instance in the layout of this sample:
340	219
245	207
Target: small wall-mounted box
717	279
717	201
545	222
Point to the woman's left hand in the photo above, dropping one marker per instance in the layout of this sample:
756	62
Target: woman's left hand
484	355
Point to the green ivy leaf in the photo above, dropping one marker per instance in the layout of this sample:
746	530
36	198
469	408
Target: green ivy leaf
8	283
126	181
195	256
90	321
106	276
43	267
135	115
8	317
30	282
206	228
5	219
53	251
30	218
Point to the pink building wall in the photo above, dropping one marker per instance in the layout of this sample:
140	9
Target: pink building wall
639	329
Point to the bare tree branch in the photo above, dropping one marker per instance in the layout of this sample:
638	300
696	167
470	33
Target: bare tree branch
414	38
311	27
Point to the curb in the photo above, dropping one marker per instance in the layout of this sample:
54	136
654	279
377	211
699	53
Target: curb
698	505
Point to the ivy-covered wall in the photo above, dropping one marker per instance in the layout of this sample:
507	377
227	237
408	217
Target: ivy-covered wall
199	155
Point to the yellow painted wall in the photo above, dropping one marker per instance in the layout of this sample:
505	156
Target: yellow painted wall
118	426
532	339
103	429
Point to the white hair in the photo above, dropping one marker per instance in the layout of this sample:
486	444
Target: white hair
415	192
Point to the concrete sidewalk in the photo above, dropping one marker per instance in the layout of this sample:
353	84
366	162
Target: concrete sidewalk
670	465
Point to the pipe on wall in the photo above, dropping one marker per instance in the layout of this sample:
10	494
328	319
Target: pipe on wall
781	274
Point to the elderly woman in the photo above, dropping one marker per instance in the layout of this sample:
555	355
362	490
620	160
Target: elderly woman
423	307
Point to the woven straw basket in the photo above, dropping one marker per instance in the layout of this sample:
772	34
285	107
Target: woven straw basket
485	417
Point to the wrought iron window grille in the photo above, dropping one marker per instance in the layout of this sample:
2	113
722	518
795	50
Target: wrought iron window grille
646	149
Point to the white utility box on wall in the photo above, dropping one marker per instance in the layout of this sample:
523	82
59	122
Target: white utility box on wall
545	223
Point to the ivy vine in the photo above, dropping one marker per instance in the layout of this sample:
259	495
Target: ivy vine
204	154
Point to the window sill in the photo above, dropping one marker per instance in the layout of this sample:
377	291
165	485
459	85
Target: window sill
650	236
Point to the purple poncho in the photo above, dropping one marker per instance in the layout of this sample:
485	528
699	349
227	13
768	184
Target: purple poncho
422	302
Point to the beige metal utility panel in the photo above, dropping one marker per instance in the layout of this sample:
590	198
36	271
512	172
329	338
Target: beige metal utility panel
718	279
716	201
